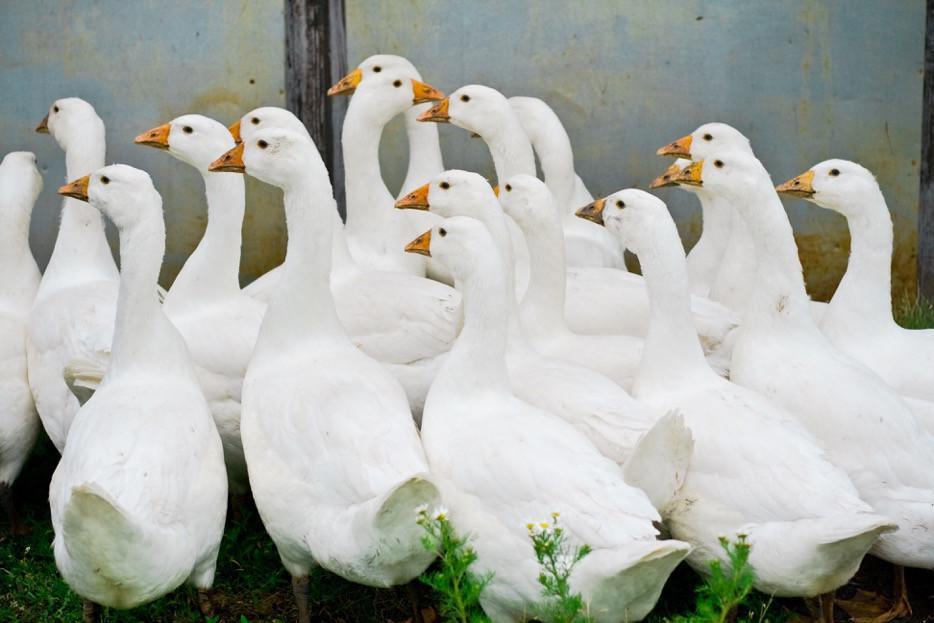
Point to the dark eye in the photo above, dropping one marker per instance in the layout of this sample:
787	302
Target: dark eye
508	188
442	232
835	172
377	69
262	144
465	98
708	137
718	164
105	179
620	204
445	186
397	83
255	120
54	108
187	129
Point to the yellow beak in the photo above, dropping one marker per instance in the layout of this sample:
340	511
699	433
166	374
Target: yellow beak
800	186
43	127
234	129
691	174
422	93
681	148
668	177
437	113
230	162
77	189
593	212
348	84
421	245
415	200
156	137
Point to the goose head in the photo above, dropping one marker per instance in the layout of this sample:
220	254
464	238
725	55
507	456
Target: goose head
123	194
527	200
276	156
630	214
384	86
459	243
705	140
266	117
476	108
734	174
71	121
194	139
20	179
451	193
838	185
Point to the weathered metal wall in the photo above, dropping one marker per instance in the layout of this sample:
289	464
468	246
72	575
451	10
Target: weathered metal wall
805	80
140	64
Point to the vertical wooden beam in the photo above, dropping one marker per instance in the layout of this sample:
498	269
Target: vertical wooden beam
926	203
315	58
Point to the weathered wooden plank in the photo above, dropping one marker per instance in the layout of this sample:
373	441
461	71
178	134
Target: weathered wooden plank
926	203
316	57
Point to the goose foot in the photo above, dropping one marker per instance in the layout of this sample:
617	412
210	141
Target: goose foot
826	607
300	591
205	605
17	527
412	593
90	611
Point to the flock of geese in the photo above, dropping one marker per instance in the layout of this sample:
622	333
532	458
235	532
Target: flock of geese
480	348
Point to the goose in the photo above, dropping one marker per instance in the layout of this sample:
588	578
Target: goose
139	497
530	204
335	462
736	275
404	321
72	318
706	256
808	528
586	245
862	424
476	430
20	185
218	321
590	401
600	300
858	320
375	232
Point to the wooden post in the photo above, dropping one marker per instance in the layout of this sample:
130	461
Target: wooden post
316	58
926	199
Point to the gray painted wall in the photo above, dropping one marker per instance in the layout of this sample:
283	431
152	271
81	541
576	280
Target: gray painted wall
140	64
805	80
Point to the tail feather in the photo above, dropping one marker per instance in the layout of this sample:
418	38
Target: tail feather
659	463
83	376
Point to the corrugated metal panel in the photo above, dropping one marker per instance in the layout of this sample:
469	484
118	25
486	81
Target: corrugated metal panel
805	80
142	63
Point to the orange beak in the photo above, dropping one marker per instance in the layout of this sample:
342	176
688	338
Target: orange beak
593	212
421	245
496	190
437	113
668	177
681	148
691	174
43	127
348	84
234	129
156	137
230	162
800	186
422	93
415	200
77	189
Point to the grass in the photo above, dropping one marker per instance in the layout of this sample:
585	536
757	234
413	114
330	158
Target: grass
914	312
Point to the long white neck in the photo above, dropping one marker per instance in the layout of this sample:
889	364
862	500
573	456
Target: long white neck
866	288
672	349
144	339
553	146
737	271
367	195
425	161
212	271
543	304
302	307
18	270
778	296
81	246
510	148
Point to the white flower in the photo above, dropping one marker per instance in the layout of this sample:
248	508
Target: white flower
421	509
441	513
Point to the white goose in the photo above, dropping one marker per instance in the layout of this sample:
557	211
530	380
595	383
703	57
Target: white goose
859	318
590	401
218	321
586	245
20	184
600	300
736	276
139	497
706	256
529	203
476	431
402	320
72	319
861	423
336	465
808	528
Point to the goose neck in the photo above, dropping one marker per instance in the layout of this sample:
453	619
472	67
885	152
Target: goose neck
553	146
368	198
510	148
425	160
543	302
